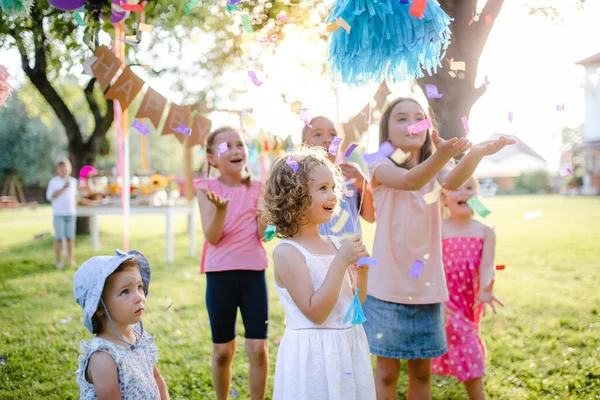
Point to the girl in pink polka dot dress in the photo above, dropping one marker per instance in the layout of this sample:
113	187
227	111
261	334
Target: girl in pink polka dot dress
468	257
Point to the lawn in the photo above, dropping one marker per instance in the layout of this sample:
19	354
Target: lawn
545	344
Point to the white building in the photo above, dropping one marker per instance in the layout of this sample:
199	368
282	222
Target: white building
590	150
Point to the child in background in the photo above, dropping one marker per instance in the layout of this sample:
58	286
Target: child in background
120	362
321	132
322	355
62	193
235	260
468	256
404	308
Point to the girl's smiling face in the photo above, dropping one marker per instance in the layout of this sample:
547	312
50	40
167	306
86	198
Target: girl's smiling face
232	161
456	200
322	192
404	114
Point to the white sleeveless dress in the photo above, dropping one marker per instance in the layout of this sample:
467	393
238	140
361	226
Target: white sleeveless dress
330	361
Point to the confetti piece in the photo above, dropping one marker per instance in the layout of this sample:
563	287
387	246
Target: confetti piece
145	28
350	149
452	74
348	373
233	7
432	92
249	37
500	267
418	8
457	65
79	19
131	7
35	133
560	107
246	23
434	195
488	19
385	150
277	342
487	81
566	172
197	37
233	2
426	257
292	163
333	27
367	261
127	42
465	123
87	65
304	116
191	5
419	127
399	156
333	146
379	335
477	206
417	269
234	393
140	127
131	38
248	121
532	215
270	233
222	148
252	75
510	116
183	129
283	18
342	22
269	39
341	222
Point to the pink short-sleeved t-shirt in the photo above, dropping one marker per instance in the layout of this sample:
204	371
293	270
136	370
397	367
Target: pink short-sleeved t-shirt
240	246
407	230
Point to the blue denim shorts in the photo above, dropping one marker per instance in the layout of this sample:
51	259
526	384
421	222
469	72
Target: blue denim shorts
405	331
64	227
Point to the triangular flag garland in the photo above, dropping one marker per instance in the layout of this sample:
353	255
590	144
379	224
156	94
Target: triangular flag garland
386	41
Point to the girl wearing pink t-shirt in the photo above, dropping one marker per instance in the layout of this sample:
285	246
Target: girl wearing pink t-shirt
468	255
406	291
234	261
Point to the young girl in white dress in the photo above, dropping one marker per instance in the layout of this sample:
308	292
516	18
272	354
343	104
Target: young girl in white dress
324	354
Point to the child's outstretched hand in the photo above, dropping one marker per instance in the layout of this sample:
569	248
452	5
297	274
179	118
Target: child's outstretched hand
490	147
217	200
452	147
488	297
351	251
351	170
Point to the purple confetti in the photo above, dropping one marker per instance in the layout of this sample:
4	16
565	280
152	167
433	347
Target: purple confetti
367	261
333	147
283	18
232	2
432	92
35	133
252	75
304	116
143	129
348	373
351	149
419	127
385	150
221	148
234	393
510	116
487	81
560	107
292	163
416	269
566	172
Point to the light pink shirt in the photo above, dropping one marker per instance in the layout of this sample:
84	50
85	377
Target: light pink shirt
240	246
407	230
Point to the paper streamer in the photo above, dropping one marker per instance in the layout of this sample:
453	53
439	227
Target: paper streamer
477	206
221	148
465	123
385	150
252	75
419	127
333	147
292	163
350	149
432	92
141	128
399	156
417	269
246	23
341	222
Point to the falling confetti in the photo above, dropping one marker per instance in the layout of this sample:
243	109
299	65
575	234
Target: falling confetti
500	267
292	163
477	206
222	148
269	39
140	127
379	336
465	123
252	75
367	261
510	116
277	342
145	28
417	269
333	147
304	116
350	149
385	150
487	81
566	172
189	6
560	107
419	127
418	8
270	233
246	23
432	92
399	156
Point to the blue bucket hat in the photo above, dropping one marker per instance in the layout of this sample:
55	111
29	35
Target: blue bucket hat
89	280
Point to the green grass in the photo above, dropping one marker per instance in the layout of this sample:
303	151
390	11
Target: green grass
544	345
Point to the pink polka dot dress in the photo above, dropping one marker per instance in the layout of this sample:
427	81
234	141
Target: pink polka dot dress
465	358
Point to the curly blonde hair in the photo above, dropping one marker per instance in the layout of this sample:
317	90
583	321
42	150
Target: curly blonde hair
287	198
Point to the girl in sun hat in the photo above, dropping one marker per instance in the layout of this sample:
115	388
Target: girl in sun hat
120	361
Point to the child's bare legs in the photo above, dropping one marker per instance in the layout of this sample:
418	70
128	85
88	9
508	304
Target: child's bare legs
70	251
387	371
58	250
257	350
475	389
419	379
221	368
